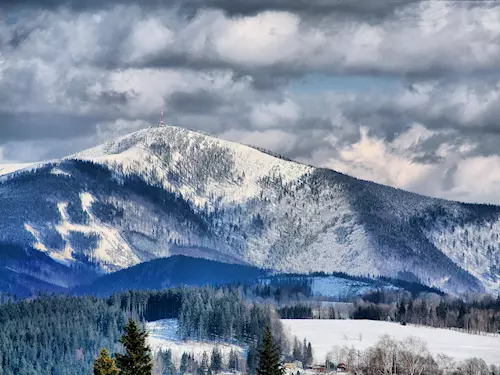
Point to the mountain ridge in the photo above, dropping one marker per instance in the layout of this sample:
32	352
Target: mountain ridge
164	191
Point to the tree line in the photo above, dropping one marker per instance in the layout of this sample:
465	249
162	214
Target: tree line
473	314
61	335
410	356
136	358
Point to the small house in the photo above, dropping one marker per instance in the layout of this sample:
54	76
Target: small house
341	367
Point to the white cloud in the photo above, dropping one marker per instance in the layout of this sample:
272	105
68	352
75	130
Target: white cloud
273	114
276	140
116	67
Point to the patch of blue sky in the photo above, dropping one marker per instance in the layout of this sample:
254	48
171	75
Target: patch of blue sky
10	17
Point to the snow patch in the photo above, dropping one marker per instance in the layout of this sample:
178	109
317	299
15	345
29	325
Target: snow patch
361	334
59	172
6	169
112	250
38	243
61	256
473	247
163	334
337	287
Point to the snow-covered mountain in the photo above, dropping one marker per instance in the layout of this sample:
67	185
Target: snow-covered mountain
168	190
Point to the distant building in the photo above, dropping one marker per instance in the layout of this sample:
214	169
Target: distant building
290	366
319	369
341	367
298	364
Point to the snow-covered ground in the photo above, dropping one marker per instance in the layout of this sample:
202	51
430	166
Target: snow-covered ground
163	335
361	334
6	169
337	287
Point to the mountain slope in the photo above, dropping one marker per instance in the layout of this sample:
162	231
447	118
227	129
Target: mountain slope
168	191
176	270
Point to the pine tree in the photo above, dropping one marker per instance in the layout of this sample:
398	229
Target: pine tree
104	364
164	364
233	360
297	350
401	313
216	361
204	365
304	353
252	359
269	356
204	361
137	358
309	354
184	363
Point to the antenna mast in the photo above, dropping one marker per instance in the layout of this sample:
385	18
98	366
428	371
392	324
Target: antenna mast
161	123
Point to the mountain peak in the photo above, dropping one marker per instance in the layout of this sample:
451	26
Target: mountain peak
165	191
160	153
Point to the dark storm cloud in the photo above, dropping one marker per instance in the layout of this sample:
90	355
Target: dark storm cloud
352	8
200	102
28	126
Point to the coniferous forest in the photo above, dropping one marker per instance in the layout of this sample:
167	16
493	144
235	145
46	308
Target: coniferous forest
62	335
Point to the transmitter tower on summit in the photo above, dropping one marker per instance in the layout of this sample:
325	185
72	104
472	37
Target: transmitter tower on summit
161	122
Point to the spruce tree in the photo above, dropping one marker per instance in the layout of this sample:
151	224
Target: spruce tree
137	358
184	363
309	354
269	356
233	360
297	350
304	353
104	364
216	361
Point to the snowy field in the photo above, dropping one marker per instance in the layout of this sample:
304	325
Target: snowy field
361	334
163	335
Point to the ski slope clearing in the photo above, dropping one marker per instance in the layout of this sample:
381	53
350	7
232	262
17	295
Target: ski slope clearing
361	334
336	287
163	334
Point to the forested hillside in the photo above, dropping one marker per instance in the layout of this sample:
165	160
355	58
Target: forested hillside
170	191
176	270
61	335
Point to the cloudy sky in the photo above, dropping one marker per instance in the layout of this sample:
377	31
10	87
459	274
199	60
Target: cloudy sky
401	92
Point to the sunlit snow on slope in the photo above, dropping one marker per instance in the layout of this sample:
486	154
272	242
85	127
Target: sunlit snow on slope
38	243
6	169
112	251
162	191
474	247
163	334
165	148
361	334
337	287
112	248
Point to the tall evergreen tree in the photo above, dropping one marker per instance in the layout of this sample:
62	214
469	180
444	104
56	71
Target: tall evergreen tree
104	364
164	364
304	353
204	365
269	356
184	363
216	360
233	360
297	350
137	358
309	354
